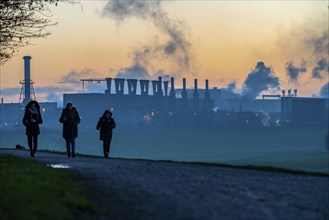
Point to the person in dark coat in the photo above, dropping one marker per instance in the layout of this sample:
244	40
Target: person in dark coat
70	119
106	124
31	120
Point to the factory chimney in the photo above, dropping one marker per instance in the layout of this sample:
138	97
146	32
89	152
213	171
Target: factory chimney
283	92
27	79
144	84
295	92
184	92
108	83
289	92
165	85
196	92
160	91
172	90
207	93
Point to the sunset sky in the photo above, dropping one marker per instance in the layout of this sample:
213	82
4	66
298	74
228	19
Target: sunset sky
217	40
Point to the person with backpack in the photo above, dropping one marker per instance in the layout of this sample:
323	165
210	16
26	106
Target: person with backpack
70	119
106	124
31	120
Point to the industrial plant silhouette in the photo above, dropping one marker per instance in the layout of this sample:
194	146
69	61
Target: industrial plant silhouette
158	104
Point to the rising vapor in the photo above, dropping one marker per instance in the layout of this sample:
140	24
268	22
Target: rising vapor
230	92
324	91
74	76
320	68
258	80
133	72
177	48
293	72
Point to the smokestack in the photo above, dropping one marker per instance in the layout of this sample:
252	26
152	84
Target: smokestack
132	86
283	93
160	91
289	92
207	93
144	87
108	83
165	85
155	86
196	92
295	92
172	90
184	92
119	85
27	79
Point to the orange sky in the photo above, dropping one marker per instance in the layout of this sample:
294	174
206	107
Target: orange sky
227	39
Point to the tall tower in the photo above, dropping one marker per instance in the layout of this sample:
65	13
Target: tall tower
27	84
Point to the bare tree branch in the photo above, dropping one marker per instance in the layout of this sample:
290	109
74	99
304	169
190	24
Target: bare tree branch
22	20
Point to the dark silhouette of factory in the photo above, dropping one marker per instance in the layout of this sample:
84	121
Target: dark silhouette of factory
146	103
158	104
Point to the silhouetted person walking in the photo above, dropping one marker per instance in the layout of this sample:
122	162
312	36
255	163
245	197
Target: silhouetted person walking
106	124
32	118
70	119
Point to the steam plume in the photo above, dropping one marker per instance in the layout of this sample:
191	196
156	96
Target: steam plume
324	91
321	66
177	48
293	71
260	79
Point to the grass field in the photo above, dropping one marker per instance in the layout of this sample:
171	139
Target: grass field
299	149
30	190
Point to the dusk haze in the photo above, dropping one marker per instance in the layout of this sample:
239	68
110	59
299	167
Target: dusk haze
164	109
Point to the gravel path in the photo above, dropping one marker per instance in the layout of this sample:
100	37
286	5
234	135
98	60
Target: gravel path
139	189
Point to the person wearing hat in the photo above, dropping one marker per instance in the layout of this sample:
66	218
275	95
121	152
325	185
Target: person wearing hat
106	124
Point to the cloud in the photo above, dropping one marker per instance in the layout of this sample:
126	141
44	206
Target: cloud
74	76
324	91
230	92
321	67
176	49
133	72
258	80
10	91
293	71
319	42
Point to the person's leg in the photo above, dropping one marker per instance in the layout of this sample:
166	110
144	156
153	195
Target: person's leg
35	144
29	142
109	144
67	140
104	147
72	140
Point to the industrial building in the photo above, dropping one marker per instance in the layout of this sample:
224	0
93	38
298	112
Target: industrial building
154	104
157	104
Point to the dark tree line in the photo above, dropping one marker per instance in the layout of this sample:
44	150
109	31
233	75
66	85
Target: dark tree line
22	20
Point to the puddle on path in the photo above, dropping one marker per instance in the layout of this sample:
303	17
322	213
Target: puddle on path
59	166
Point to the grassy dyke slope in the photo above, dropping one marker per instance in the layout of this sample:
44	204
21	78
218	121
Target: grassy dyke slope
31	190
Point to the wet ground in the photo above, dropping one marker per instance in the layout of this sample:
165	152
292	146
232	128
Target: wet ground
140	189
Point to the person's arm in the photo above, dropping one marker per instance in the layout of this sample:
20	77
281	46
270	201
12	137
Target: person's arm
25	119
62	119
113	124
77	118
40	118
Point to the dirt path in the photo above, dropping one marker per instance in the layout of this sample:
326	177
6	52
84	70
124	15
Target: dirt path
138	189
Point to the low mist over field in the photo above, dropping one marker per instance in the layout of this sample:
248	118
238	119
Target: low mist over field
301	149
